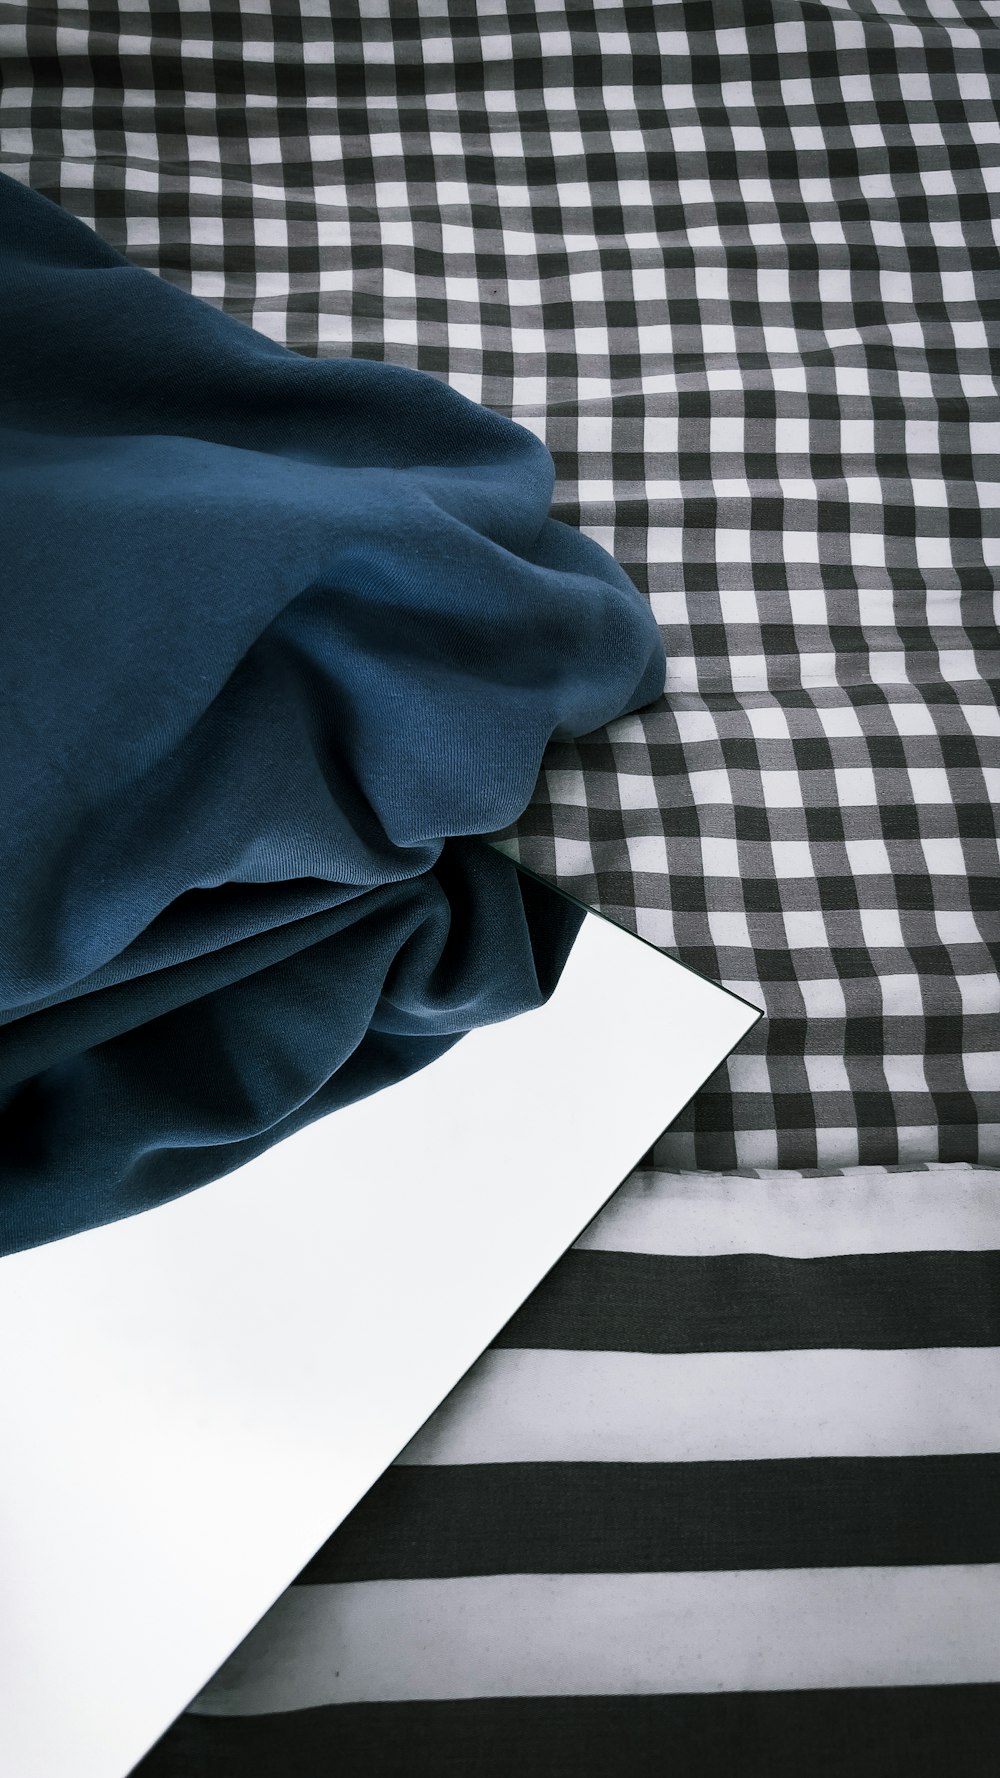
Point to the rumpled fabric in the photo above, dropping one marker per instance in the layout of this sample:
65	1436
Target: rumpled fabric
279	636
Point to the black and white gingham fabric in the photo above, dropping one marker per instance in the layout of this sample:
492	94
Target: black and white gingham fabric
738	265
721	1500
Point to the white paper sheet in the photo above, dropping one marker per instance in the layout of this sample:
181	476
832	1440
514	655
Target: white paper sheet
191	1400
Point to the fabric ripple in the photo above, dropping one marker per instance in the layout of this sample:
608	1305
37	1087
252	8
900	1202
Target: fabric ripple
279	635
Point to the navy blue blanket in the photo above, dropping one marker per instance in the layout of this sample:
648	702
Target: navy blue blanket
278	633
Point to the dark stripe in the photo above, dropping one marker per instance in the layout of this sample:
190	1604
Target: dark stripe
752	1302
948	1731
596	1518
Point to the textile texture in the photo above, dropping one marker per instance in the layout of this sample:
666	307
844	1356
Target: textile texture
721	1499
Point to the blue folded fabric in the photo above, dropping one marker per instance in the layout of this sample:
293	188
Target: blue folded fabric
278	634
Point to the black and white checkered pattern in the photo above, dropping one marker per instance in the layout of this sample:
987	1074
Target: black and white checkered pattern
738	266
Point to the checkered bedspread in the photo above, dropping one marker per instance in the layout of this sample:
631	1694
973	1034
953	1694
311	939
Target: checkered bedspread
738	265
721	1498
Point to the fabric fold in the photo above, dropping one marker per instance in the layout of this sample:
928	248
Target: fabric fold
277	631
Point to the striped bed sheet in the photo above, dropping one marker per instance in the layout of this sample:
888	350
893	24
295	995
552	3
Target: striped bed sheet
721	1500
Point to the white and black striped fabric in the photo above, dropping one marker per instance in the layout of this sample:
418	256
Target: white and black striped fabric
721	1501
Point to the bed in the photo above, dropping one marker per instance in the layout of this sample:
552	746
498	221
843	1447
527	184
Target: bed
721	1499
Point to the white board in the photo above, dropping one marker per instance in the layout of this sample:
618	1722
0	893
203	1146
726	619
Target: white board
191	1400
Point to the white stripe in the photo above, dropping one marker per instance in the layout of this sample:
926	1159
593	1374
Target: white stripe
542	1635
783	1213
635	1407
